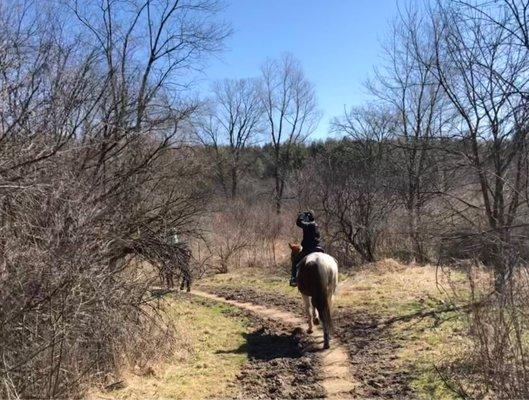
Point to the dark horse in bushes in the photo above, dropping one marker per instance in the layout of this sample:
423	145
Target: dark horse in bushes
177	265
317	279
171	260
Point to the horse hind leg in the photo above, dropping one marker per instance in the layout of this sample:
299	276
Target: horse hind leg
307	306
186	283
323	307
326	339
315	318
327	323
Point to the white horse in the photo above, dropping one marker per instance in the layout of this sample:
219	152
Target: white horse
317	282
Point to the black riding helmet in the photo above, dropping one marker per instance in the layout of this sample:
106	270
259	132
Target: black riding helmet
307	216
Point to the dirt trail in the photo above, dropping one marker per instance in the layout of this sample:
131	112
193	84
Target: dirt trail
336	380
372	350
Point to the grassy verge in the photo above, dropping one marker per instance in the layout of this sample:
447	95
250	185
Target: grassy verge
391	290
430	347
205	360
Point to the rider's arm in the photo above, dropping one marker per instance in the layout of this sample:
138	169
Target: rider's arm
300	222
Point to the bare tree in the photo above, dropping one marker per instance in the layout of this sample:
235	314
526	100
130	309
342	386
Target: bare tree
354	180
291	114
232	123
407	86
478	64
481	63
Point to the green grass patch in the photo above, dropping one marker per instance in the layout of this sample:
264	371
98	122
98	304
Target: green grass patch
431	344
207	357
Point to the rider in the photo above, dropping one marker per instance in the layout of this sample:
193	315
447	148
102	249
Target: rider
311	242
173	238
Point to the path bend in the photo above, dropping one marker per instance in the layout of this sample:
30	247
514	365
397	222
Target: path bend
337	380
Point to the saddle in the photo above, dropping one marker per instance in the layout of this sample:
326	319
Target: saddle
318	249
299	256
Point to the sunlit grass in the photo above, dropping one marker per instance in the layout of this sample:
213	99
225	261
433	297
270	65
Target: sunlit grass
431	344
209	356
392	290
389	288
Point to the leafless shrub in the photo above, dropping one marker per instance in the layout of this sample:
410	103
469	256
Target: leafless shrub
234	238
242	234
271	234
93	172
353	181
499	330
494	363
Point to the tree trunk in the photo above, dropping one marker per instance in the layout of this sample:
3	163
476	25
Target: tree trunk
234	182
504	258
278	186
415	235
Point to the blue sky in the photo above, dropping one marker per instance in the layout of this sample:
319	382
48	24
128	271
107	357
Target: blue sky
337	41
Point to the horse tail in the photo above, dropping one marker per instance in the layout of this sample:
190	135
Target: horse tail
321	296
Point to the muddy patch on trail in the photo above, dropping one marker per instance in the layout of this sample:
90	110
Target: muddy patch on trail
373	357
279	366
248	295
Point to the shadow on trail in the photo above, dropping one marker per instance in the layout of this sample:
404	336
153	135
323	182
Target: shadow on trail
263	344
277	367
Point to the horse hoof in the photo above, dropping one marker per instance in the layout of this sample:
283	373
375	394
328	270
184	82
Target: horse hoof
316	321
326	340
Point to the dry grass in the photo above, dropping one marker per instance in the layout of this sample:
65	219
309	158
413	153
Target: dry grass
204	363
273	282
386	288
389	288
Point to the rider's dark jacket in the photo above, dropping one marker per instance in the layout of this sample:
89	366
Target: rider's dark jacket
311	235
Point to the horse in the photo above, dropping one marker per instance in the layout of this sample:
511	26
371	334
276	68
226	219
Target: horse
178	265
317	282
